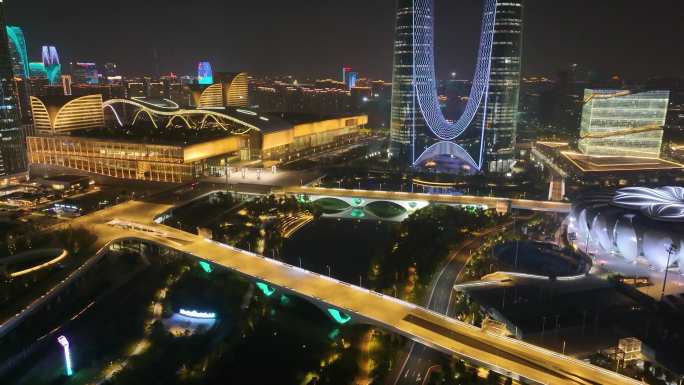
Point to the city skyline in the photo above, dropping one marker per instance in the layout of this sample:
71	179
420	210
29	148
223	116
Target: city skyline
341	192
553	38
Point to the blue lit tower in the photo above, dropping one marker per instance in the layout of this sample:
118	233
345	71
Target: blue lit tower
12	143
17	47
419	130
52	66
205	75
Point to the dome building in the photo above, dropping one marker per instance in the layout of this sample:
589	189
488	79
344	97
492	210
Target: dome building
642	225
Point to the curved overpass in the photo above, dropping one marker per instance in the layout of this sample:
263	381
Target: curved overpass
511	357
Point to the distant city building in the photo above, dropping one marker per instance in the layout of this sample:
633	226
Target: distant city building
17	47
111	70
624	123
156	90
205	75
12	139
66	84
136	90
351	79
345	73
58	114
85	73
52	65
37	70
187	80
501	120
322	97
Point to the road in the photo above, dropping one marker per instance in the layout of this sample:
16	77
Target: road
519	360
420	358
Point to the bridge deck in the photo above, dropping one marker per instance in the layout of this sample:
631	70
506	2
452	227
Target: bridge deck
136	220
492	202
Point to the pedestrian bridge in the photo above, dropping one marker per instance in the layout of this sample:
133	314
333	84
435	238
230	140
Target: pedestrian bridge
345	303
412	201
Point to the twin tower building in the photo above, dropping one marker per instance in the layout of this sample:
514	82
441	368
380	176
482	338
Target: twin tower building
483	137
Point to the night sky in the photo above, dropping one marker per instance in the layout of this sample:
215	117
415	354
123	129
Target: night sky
635	39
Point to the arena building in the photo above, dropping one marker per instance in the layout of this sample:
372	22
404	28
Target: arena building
638	224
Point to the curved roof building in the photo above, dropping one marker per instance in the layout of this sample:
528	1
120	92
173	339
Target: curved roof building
638	224
67	113
229	90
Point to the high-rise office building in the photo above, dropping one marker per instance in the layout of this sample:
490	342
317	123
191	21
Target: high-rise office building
205	75
84	73
12	141
419	131
17	49
52	65
504	87
405	120
623	123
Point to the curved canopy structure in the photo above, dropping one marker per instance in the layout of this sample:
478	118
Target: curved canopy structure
168	112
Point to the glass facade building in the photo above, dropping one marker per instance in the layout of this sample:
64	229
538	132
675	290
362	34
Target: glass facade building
404	119
12	140
623	123
501	120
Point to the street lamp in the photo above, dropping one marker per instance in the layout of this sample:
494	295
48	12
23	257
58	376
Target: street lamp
671	249
67	354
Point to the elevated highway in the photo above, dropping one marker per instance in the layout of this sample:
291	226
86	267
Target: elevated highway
500	204
514	358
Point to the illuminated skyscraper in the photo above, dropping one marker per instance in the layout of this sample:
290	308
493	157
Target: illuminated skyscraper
623	123
419	131
501	120
17	49
12	142
52	65
205	75
345	71
351	79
